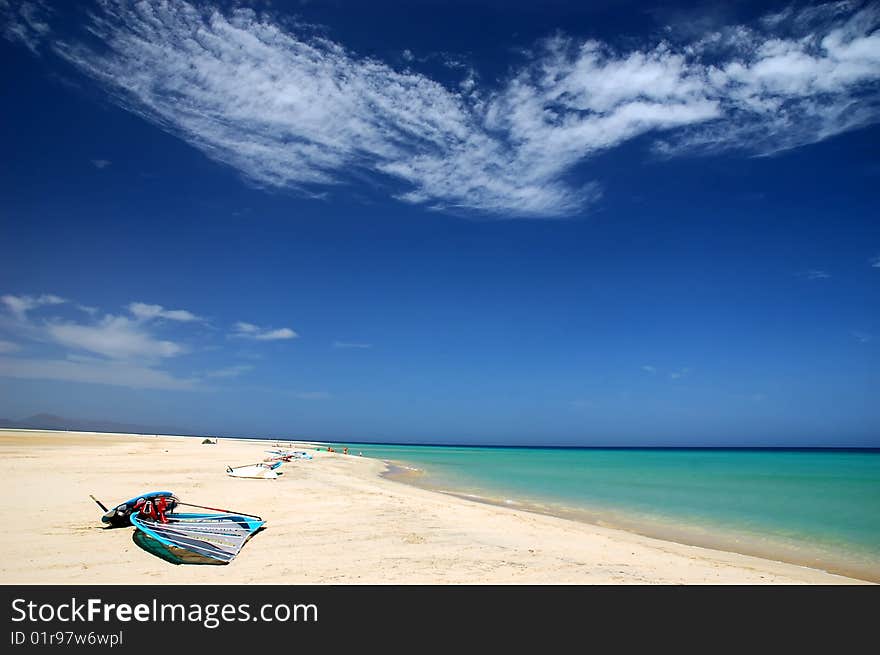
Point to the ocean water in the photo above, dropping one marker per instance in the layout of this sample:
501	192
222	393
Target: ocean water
817	508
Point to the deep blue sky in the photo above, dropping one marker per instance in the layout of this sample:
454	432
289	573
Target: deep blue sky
721	295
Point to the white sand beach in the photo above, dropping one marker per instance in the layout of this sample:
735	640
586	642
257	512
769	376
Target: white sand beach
330	520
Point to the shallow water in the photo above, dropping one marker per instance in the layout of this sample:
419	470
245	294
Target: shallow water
814	507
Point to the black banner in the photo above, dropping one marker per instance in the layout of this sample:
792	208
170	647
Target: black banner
150	618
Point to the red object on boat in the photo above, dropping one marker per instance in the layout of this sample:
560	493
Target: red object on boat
161	505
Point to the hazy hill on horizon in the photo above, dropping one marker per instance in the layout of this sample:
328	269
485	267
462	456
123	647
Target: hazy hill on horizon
46	421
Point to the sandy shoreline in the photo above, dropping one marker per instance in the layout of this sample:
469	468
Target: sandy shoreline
689	534
331	520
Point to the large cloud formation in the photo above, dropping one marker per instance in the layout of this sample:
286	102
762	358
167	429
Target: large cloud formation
288	108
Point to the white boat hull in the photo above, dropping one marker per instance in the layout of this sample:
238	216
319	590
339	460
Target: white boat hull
255	472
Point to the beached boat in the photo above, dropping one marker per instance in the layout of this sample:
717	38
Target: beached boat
260	471
198	538
120	515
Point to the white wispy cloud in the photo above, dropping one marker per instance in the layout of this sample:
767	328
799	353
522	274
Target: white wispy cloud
251	331
289	108
144	311
8	346
19	306
116	337
349	344
230	371
862	337
97	371
126	349
101	163
311	395
25	23
814	275
875	262
796	77
672	375
113	349
680	373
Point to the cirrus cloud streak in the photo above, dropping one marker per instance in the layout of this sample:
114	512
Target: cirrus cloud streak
289	108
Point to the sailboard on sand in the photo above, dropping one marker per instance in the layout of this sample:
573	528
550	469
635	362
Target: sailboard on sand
190	538
216	538
261	471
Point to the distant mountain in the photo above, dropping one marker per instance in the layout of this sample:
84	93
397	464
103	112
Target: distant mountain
53	422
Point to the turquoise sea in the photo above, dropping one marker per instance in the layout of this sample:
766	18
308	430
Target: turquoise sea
818	508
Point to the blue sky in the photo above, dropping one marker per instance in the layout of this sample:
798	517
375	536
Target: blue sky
597	224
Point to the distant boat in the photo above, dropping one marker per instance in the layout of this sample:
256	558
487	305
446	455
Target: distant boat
288	455
261	471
